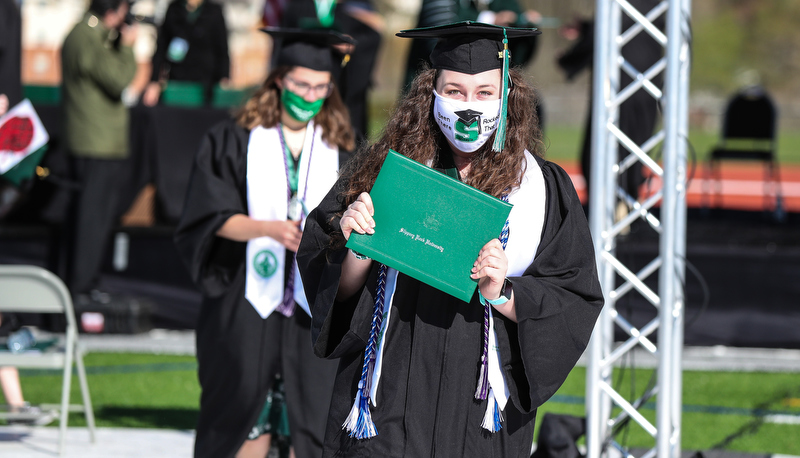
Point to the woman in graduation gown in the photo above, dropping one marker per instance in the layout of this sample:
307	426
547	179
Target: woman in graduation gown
422	373
254	180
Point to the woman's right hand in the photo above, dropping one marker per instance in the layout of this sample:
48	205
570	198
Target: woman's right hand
358	217
287	233
242	228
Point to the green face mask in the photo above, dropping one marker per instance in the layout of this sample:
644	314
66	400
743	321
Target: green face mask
298	107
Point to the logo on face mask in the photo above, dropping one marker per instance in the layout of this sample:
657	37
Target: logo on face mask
468	125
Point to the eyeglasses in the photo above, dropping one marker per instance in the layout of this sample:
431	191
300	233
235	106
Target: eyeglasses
303	89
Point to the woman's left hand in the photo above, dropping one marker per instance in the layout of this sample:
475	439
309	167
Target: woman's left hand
490	269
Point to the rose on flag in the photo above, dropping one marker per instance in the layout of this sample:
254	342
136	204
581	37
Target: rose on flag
22	142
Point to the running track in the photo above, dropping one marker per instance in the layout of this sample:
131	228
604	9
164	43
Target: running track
742	187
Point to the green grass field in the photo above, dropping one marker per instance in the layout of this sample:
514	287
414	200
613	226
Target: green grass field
722	410
127	389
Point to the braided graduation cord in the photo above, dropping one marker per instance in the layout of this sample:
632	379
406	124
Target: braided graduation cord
359	422
482	391
483	377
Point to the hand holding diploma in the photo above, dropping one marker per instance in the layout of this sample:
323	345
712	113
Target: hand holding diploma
358	217
490	270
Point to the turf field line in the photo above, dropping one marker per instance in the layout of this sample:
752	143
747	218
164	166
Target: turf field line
783	419
772	416
118	369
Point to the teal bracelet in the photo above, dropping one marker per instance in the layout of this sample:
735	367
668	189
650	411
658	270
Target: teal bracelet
358	255
499	301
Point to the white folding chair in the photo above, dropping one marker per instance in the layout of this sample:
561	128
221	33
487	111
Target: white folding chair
32	289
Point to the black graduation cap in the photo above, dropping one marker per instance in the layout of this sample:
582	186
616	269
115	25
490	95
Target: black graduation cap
468	47
310	48
474	47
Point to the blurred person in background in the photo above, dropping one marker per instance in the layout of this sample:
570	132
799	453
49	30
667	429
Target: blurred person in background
192	45
639	113
358	19
254	180
97	65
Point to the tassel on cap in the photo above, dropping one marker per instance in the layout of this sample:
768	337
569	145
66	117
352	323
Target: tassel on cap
500	136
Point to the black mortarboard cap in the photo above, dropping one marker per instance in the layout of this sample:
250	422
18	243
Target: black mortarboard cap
310	48
468	47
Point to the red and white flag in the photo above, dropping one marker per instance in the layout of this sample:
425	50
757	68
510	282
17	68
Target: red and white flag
21	134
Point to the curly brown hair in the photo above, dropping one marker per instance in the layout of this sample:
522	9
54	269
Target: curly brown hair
412	131
264	109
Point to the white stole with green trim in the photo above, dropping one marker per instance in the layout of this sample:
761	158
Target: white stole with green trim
267	201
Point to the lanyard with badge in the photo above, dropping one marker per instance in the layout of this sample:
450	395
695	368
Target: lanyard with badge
297	206
178	47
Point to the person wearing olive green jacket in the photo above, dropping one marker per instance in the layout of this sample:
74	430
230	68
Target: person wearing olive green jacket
97	65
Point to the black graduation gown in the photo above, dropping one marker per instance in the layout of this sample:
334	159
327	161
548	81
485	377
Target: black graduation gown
238	352
426	404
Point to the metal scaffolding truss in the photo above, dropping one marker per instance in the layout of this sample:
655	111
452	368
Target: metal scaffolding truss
664	212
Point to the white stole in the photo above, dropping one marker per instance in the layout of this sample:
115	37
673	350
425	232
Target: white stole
525	223
267	200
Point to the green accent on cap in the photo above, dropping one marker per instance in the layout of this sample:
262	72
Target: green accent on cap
500	136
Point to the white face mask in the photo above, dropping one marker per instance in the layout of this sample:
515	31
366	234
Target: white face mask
467	125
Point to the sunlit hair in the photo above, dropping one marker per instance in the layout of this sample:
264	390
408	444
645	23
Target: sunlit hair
264	109
413	132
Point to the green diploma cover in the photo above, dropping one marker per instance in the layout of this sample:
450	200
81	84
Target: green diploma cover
429	226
